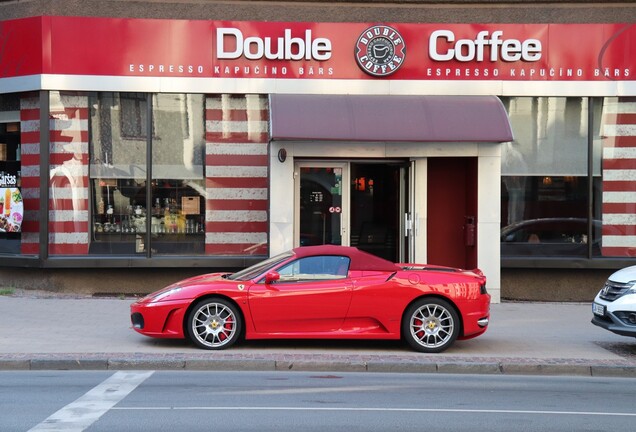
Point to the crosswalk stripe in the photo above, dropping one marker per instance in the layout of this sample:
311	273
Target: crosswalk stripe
87	409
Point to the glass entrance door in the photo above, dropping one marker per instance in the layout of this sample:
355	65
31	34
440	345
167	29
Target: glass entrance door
377	206
322	204
360	204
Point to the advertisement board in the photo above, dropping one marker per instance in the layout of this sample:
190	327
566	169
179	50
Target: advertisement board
118	47
11	207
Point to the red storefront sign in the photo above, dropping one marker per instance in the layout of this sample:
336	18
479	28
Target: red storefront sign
361	51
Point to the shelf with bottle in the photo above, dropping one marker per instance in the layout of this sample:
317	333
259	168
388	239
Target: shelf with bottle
128	220
173	218
134	221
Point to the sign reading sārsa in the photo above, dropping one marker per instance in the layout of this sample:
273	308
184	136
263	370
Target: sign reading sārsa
242	49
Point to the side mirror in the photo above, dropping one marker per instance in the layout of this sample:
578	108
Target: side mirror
272	277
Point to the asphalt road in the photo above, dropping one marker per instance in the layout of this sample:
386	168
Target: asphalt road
65	401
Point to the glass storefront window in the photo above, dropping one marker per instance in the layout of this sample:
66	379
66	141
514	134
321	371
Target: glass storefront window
237	175
167	218
544	178
11	202
549	216
68	219
137	174
118	173
178	186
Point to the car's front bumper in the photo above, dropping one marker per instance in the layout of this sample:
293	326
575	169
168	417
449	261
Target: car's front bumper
159	319
614	318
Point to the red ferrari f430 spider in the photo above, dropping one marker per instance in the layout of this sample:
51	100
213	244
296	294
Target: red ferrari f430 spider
321	292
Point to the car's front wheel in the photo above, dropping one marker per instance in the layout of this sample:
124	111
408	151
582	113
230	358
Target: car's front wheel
214	324
430	325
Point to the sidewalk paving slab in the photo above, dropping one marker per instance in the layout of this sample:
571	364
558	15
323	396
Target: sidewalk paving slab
86	333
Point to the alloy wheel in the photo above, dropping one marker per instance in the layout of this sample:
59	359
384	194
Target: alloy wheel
214	324
432	325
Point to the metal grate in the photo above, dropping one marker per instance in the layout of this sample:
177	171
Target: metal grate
613	290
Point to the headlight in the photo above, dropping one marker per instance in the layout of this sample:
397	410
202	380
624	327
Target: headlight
166	293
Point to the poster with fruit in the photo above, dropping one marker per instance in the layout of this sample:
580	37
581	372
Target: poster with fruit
11	210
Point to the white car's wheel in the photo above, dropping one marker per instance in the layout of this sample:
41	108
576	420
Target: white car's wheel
430	325
214	324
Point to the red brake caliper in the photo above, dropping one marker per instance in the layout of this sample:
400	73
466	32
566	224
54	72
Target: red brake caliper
418	323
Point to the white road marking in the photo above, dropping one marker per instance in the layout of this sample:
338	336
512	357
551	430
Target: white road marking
86	410
314	390
360	409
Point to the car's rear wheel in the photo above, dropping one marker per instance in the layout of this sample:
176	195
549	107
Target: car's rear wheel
214	324
430	325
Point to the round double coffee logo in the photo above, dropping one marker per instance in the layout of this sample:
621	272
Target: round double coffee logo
380	50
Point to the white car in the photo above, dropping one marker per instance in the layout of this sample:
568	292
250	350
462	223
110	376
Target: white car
614	307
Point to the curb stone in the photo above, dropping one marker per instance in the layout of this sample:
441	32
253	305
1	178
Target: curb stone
469	368
68	364
546	369
10	365
231	365
614	371
146	364
401	367
566	368
321	366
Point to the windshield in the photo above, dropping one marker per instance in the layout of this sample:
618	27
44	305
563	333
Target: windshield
257	269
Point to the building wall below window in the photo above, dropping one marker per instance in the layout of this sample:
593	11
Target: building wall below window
554	285
94	282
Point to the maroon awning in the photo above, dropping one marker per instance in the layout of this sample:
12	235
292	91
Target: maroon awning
389	118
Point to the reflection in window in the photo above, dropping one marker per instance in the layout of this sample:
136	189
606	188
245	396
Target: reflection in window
206	189
544	178
614	180
550	218
68	185
237	174
118	173
132	115
550	137
178	186
126	220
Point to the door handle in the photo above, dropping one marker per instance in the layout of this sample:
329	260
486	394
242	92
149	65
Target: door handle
342	227
408	224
